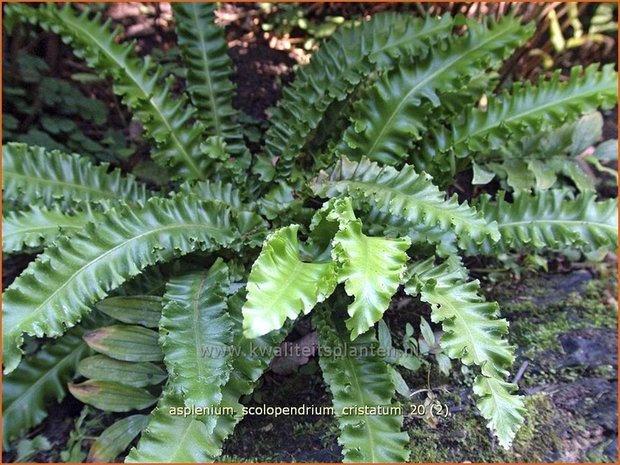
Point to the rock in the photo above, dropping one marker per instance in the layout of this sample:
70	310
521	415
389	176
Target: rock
562	285
591	347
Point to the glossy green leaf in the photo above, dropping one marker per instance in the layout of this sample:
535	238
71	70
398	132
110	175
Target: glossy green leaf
196	335
553	219
116	438
40	226
173	438
125	342
406	194
102	368
473	334
360	381
141	83
112	397
33	175
142	310
40	378
524	110
391	114
281	285
55	291
205	54
333	74
371	268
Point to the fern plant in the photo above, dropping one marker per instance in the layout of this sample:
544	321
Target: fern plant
345	205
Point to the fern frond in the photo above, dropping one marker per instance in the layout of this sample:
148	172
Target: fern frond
137	374
406	194
194	321
360	380
281	285
55	291
473	334
140	83
371	268
41	377
39	226
216	191
205	54
201	438
380	223
390	115
251	360
116	438
552	219
34	175
173	438
526	109
334	72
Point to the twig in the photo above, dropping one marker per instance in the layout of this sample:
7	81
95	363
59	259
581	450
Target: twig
520	373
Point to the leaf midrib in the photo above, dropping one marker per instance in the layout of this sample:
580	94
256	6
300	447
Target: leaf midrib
92	263
445	66
145	93
207	69
53	371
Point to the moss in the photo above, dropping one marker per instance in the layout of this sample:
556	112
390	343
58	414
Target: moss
464	436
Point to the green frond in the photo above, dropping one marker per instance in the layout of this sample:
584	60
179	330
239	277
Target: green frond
116	438
56	290
201	438
110	396
371	268
250	362
552	219
281	285
216	191
141	84
196	335
334	72
138	374
129	343
362	380
473	334
205	55
40	378
34	175
406	194
526	109
500	406
39	226
379	223
133	309
390	115
173	438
